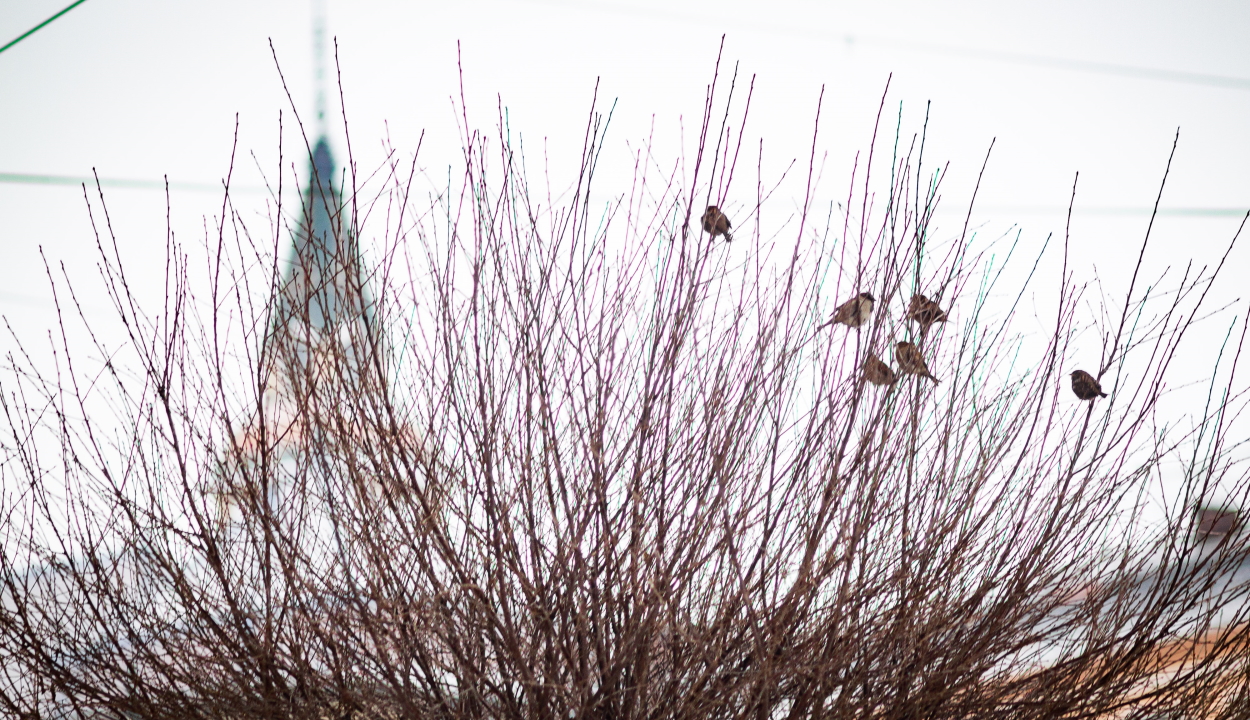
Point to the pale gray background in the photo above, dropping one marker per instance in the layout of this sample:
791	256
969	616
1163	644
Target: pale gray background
140	89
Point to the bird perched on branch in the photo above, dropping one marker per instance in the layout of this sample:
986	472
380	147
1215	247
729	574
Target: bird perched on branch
925	311
877	372
1085	386
911	362
853	312
715	223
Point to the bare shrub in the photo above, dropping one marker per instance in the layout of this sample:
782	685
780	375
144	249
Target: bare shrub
557	458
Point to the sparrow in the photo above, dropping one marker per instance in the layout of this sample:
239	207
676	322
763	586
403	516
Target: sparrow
877	372
911	362
715	223
925	311
1085	386
853	312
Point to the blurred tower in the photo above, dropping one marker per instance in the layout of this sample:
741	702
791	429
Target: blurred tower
322	356
323	380
323	309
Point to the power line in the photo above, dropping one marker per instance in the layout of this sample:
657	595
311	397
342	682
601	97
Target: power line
45	303
1006	56
36	28
1106	210
1047	61
31	179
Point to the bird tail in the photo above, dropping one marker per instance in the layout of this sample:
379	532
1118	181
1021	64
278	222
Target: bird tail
1102	394
935	380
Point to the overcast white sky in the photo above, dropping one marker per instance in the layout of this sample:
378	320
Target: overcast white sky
141	89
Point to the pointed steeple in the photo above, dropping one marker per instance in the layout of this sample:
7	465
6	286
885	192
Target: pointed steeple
322	343
323	304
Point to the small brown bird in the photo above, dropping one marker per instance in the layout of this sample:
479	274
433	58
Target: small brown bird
1085	386
715	223
925	311
853	312
877	372
911	362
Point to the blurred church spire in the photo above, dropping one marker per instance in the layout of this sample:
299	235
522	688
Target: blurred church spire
323	312
322	350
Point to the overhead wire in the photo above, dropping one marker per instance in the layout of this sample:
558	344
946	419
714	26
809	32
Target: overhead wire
1141	72
40	26
852	39
34	179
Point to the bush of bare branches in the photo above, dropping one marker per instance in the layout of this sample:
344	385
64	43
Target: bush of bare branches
561	458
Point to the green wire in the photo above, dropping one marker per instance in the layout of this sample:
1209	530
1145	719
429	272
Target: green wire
36	28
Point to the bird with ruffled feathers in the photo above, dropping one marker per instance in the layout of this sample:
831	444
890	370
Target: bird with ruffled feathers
877	372
715	223
911	361
925	312
853	312
1085	386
